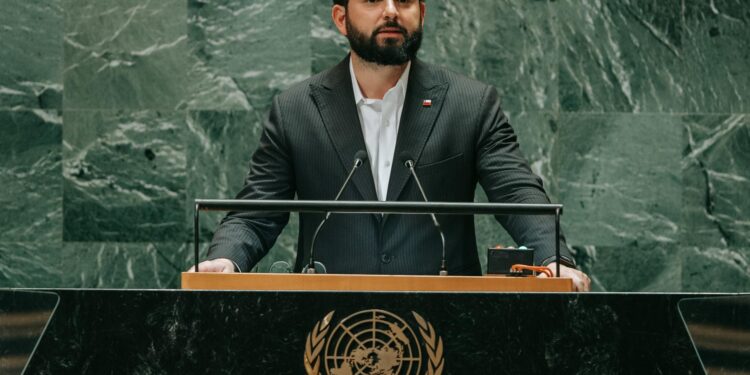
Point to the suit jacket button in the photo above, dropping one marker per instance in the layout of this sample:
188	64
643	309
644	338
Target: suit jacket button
386	258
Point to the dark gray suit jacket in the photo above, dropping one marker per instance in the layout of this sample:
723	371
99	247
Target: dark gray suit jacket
308	145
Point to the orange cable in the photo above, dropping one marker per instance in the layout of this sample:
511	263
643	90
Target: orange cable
537	269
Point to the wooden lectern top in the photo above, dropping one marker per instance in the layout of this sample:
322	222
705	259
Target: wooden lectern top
370	283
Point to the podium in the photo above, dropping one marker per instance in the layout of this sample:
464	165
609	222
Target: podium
371	283
101	331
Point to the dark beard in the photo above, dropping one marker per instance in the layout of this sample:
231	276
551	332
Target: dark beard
390	54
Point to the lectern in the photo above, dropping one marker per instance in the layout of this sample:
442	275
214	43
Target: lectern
379	324
371	324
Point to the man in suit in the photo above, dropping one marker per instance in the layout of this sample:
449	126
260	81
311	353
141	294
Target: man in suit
383	100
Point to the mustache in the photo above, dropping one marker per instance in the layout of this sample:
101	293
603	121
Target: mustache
391	25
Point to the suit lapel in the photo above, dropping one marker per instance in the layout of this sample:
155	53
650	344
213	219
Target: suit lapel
417	121
334	98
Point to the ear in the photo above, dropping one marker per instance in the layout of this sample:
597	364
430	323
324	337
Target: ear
338	14
423	9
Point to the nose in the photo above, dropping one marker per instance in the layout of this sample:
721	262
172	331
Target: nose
390	11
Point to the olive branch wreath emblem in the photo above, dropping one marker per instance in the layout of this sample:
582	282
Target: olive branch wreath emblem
316	339
315	343
433	344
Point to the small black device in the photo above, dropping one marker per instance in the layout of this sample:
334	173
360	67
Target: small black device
500	260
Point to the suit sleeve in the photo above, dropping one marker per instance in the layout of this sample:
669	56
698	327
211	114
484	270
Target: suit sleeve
245	237
506	177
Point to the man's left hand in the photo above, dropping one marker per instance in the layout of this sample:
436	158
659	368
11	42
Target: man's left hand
581	282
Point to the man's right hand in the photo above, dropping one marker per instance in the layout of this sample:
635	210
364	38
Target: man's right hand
217	265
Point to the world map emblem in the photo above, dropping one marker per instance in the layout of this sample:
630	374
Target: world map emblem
373	342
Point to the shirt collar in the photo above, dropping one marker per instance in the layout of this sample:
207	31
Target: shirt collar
400	85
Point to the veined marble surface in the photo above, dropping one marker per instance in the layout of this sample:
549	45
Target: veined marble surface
125	265
31	56
716	212
716	44
30	175
125	54
619	178
621	56
716	173
31	264
653	267
242	52
124	176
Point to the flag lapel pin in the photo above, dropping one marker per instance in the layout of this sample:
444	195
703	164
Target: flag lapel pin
427	103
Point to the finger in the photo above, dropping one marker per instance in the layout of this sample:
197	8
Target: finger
587	283
191	269
209	266
578	284
583	283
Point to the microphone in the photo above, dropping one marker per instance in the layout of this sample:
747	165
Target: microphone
316	267
409	163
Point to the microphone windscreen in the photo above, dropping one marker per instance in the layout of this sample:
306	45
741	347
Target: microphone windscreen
361	155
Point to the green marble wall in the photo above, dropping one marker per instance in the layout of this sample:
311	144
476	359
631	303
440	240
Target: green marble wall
115	115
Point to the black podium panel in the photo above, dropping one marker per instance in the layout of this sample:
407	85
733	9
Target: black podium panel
23	317
144	332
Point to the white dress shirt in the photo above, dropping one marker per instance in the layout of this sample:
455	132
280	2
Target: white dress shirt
380	120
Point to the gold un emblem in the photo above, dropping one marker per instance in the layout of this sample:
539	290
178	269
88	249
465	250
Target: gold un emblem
373	342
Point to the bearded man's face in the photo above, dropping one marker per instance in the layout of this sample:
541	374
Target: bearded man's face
386	32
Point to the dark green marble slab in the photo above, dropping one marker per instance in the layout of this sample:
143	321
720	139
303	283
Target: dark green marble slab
649	268
621	56
537	134
30	175
31	265
716	44
716	181
708	269
509	44
619	178
125	54
31	55
124	265
124	176
244	52
219	147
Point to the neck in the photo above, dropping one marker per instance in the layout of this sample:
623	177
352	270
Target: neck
375	80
